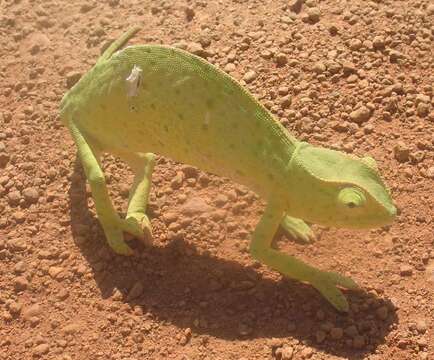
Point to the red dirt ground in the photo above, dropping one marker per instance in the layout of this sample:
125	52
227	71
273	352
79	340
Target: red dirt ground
352	75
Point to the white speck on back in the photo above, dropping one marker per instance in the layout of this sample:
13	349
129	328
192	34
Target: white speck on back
133	81
180	81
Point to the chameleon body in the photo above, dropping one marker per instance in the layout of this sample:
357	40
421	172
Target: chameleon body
157	99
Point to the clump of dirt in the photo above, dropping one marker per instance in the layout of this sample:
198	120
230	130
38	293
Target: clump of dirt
351	75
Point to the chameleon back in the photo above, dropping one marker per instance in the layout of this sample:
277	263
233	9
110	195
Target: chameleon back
183	108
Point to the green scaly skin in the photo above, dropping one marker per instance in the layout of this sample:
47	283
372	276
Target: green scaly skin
158	99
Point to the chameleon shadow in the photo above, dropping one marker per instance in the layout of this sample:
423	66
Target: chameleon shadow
222	298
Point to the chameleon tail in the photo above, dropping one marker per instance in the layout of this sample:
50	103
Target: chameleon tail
118	43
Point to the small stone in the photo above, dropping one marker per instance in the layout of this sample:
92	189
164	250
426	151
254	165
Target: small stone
229	67
189	13
401	152
406	270
360	115
41	349
4	159
295	5
430	172
319	67
72	78
249	76
195	206
281	59
20	283
197	49
421	326
31	195
358	342
285	352
55	272
422	109
71	328
306	353
135	291
313	15
378	42
14	198
32	311
382	312
336	333
320	336
15	308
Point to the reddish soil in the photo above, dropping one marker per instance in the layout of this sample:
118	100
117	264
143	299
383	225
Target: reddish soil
353	75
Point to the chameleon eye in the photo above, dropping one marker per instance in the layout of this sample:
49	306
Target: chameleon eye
351	198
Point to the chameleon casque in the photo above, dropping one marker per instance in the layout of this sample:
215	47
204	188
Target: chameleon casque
158	99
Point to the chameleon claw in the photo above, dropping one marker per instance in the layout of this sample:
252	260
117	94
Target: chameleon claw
139	226
298	230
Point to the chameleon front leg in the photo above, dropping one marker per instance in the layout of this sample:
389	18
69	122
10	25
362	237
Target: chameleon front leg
142	165
297	229
324	282
111	223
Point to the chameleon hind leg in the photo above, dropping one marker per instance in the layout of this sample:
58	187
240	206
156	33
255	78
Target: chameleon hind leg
112	224
297	229
325	282
142	165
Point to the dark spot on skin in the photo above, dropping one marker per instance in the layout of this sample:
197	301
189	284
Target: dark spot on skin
235	125
153	63
160	142
232	146
177	92
239	172
166	128
180	116
270	176
204	127
148	50
153	107
210	103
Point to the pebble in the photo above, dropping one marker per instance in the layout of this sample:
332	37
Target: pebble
14	198
320	336
32	311
401	152
4	159
72	78
135	291
336	333
378	42
281	59
20	283
71	328
382	312
41	349
55	272
285	352
295	5
421	326
189	13
358	342
430	172
249	76
406	270
313	15
360	115
31	195
195	206
319	67
15	308
229	67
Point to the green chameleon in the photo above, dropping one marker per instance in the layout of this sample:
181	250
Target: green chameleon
158	99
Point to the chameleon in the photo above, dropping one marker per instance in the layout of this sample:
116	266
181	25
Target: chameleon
142	100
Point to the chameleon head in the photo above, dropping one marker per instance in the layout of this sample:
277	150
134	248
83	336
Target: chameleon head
335	189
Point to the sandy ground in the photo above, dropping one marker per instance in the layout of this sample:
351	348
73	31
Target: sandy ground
352	75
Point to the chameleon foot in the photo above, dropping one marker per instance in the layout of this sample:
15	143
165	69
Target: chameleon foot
297	229
141	227
326	282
